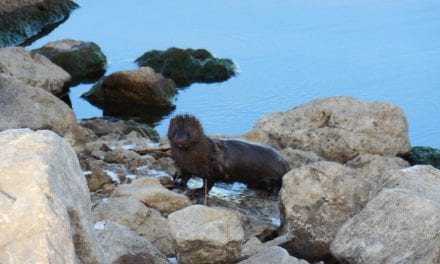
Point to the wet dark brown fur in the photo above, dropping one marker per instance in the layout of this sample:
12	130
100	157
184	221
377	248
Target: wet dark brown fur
260	167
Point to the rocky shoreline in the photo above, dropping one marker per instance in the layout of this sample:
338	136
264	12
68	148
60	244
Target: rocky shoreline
101	190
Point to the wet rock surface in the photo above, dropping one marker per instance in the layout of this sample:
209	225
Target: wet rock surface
423	156
142	87
24	19
186	66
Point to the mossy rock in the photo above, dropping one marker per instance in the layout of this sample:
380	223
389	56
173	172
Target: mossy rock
84	61
423	155
187	66
20	20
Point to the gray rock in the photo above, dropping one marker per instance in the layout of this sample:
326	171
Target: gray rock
139	87
118	240
400	225
45	203
206	234
149	191
297	158
339	128
102	127
34	70
146	222
316	200
84	61
24	106
23	19
273	255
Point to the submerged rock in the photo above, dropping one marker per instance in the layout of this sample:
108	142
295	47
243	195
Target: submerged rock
138	87
186	66
423	155
84	61
23	19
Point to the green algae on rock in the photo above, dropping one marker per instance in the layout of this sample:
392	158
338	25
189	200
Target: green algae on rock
423	155
187	66
83	60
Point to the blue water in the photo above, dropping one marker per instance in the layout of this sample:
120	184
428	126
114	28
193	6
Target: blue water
288	53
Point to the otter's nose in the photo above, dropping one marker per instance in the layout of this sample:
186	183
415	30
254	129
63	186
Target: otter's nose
179	141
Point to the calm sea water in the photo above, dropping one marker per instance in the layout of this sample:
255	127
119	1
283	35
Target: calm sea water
288	53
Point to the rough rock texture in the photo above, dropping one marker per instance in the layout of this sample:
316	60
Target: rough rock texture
297	158
149	191
23	106
206	234
44	202
147	222
34	69
273	255
400	225
20	20
84	61
186	66
140	87
102	127
118	240
317	199
339	128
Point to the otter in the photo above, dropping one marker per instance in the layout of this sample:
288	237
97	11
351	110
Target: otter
227	160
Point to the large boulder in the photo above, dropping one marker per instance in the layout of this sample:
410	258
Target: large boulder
44	202
150	191
34	69
84	61
319	198
400	225
146	222
20	20
340	128
186	66
24	106
207	234
137	87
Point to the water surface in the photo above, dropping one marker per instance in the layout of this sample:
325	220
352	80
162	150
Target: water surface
288	53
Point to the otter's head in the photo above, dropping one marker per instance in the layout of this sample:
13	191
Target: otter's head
185	131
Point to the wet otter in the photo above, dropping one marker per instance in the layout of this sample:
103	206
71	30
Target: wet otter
260	167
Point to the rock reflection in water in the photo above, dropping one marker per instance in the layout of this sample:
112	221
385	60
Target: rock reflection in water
143	114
